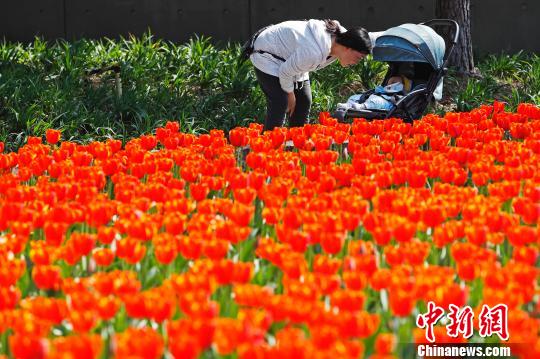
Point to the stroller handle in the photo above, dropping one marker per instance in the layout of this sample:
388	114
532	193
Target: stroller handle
445	22
449	23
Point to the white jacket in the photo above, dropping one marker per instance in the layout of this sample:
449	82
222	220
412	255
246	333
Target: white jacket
305	45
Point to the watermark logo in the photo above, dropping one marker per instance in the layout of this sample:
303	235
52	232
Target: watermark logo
491	321
429	319
461	321
494	321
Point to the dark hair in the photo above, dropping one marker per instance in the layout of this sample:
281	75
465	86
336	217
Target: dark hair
356	38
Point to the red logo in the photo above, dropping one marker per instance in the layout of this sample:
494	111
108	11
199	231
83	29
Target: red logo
429	319
494	321
460	321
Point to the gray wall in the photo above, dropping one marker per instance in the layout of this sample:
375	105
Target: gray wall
498	25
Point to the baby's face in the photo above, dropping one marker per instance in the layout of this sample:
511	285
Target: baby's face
394	79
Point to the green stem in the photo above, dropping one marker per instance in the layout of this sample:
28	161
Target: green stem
4	343
106	335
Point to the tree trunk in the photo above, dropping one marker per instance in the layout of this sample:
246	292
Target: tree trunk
460	11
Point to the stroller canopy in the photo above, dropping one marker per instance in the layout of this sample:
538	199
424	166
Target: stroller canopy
410	42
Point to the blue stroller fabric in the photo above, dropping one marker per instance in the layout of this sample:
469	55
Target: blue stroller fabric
412	43
417	54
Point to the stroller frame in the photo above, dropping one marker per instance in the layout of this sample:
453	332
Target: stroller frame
414	104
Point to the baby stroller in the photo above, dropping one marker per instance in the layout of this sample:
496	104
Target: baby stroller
422	51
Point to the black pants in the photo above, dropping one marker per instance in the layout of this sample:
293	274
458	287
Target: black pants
276	101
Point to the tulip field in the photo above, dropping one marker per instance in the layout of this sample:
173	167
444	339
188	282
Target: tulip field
323	241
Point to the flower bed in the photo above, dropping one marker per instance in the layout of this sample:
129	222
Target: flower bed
190	245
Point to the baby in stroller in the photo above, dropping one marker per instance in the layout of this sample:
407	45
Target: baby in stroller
415	53
383	97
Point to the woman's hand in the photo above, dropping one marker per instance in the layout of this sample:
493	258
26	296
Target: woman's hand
291	103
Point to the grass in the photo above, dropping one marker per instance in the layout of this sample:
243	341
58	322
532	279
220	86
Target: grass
509	78
44	85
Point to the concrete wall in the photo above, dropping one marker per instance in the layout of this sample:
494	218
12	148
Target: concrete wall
498	25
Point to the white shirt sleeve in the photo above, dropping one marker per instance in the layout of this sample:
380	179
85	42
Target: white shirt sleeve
301	61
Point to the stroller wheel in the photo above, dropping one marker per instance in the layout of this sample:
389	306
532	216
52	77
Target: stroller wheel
340	114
